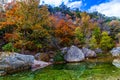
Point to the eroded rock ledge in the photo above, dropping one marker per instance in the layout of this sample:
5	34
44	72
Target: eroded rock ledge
14	62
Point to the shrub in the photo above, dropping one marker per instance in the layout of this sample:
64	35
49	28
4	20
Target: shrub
9	47
59	57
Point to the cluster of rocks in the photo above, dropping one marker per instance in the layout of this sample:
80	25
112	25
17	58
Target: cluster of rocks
115	52
74	54
14	62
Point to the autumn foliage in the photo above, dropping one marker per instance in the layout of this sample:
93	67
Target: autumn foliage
64	32
28	26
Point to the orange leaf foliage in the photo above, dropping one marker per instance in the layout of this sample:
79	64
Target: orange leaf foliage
64	31
11	37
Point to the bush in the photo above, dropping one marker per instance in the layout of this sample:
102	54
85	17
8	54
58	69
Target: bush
9	47
59	57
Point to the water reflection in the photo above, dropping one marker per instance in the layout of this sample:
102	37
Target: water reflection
71	71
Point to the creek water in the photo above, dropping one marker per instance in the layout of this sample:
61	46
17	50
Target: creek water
87	70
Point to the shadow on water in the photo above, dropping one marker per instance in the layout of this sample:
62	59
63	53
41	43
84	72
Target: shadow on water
71	71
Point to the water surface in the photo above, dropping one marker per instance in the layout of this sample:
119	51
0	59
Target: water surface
88	70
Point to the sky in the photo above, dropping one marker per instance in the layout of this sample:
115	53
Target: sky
108	7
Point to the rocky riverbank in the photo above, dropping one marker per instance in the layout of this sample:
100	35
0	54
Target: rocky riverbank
11	62
14	62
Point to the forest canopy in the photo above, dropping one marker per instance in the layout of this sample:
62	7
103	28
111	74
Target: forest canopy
27	26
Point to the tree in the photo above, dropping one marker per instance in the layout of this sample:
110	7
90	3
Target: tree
93	43
79	35
97	34
32	24
64	33
106	42
87	26
115	28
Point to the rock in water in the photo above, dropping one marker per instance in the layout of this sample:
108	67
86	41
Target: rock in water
88	53
39	64
115	51
74	54
15	62
116	62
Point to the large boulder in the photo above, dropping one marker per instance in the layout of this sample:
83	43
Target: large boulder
74	54
15	62
115	51
88	53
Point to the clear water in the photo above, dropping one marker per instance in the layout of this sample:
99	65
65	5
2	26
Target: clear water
87	70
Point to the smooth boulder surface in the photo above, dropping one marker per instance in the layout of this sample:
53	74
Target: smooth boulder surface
88	53
115	51
74	54
15	61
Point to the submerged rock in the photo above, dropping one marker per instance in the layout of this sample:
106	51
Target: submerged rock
88	53
115	51
74	54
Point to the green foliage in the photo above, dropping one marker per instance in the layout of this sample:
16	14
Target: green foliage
78	14
59	56
96	33
93	42
106	42
9	47
79	35
42	28
32	24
